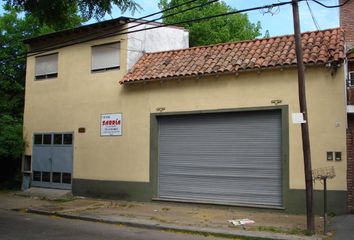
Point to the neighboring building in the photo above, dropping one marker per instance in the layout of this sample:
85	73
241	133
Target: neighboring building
347	23
208	124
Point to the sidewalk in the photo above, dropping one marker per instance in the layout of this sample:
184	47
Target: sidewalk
203	219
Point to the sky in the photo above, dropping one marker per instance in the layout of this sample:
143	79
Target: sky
280	23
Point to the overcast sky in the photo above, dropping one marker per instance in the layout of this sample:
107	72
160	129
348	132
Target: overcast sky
278	24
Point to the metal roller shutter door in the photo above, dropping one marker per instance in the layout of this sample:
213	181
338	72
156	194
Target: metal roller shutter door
229	158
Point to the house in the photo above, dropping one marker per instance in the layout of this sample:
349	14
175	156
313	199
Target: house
144	117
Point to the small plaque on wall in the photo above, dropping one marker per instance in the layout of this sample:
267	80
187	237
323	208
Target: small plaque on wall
111	124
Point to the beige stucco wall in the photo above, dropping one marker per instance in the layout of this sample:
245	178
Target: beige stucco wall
78	97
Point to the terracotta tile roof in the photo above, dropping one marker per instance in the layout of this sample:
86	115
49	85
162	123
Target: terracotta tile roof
319	47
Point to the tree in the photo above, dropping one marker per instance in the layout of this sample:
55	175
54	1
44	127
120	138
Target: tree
233	27
51	12
14	27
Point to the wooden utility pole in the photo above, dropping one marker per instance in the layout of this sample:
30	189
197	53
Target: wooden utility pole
304	126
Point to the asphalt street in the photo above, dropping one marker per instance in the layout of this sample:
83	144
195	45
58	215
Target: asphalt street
19	225
343	227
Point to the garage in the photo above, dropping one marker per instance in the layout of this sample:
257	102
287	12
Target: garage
52	160
228	158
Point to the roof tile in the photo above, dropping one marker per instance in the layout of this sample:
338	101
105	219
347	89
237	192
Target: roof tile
319	47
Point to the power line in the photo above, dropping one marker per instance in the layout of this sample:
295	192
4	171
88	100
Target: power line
313	16
333	6
127	28
118	32
206	18
72	41
41	50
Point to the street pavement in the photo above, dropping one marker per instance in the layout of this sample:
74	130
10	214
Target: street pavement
20	225
343	227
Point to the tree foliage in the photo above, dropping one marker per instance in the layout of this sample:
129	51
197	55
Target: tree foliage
15	26
233	27
52	12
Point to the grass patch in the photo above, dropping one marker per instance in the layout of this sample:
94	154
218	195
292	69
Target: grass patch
58	200
127	215
5	190
126	205
211	235
158	220
154	218
292	231
331	214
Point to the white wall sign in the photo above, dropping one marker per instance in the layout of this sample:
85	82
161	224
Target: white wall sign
298	118
111	124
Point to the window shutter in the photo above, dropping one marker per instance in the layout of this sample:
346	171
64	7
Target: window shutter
105	56
46	65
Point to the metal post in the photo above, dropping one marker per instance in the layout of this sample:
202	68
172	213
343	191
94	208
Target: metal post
325	206
304	126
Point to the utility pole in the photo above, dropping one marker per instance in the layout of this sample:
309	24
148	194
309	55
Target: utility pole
304	126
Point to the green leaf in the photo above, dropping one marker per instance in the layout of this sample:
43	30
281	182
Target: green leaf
234	27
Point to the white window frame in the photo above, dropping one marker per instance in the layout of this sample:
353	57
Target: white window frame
46	71
108	59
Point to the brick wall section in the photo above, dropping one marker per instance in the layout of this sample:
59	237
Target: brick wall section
347	20
350	162
347	23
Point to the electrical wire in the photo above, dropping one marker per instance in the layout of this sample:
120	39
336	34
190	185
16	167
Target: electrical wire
333	6
203	18
134	26
167	9
181	22
41	50
62	44
118	32
313	16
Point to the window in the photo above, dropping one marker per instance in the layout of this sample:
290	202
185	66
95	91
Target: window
66	178
47	139
68	139
46	66
38	138
36	176
351	78
105	57
56	177
58	138
45	176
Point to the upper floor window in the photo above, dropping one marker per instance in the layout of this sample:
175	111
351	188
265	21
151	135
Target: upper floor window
46	66
105	57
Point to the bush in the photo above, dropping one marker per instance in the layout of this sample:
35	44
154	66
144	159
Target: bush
11	149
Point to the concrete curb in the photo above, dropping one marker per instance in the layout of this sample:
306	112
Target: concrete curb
147	224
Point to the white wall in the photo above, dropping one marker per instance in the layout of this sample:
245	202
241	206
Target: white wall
154	40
